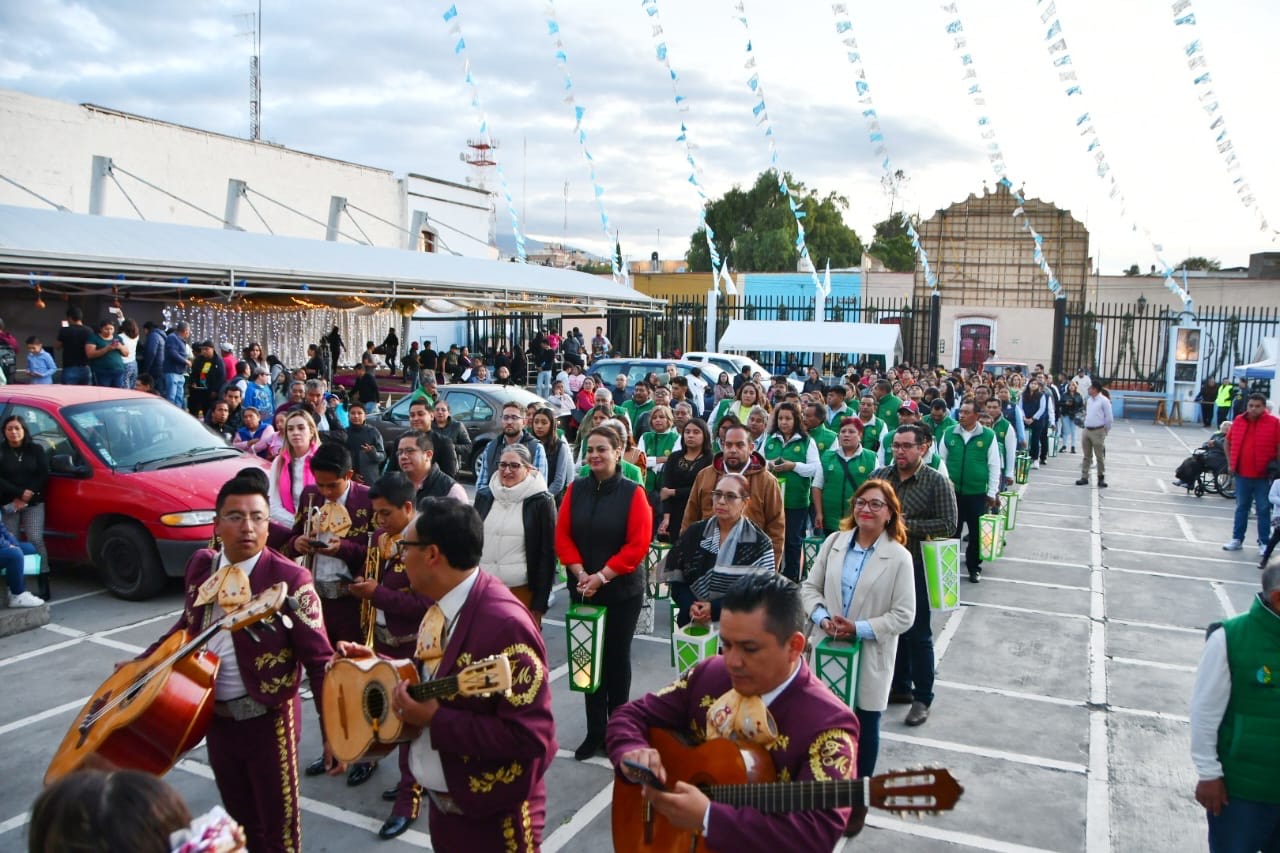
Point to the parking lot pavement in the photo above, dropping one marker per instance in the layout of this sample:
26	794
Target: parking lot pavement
1061	703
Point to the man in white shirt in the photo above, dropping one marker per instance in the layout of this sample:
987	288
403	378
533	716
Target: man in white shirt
1097	423
1235	714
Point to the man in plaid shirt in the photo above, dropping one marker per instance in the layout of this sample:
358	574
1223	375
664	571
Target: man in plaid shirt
929	511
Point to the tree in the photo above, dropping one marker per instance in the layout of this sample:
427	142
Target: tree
617	253
755	229
893	244
1199	263
1132	270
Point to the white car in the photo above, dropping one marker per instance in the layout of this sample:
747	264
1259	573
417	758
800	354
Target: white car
732	363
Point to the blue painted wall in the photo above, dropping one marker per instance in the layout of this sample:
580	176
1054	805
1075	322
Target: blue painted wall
792	285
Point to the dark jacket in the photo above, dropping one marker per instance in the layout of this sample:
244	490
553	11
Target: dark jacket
151	359
366	389
538	513
690	561
19	475
367	463
175	354
606	523
437	485
457	433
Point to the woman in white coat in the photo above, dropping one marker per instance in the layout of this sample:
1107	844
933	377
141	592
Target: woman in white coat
862	585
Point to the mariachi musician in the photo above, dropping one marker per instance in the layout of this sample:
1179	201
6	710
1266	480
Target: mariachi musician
391	614
481	761
331	536
257	717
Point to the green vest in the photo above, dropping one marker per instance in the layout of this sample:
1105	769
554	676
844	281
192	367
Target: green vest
1249	737
629	472
840	479
824	438
887	411
1225	393
657	444
634	412
796	489
1001	429
871	433
939	429
967	461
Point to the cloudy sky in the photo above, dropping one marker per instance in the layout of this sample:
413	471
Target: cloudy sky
379	83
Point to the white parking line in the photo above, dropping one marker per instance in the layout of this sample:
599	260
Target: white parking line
1040	583
948	633
334	813
1156	625
1175	576
1185	526
15	822
1098	782
55	602
1198	558
1031	610
73	705
1221	591
1153	664
1010	694
949	836
1098	788
583	816
1155	715
984	752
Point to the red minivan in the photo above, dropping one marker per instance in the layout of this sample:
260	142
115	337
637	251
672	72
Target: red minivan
133	480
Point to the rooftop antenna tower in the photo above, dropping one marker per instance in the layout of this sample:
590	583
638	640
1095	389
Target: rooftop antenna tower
255	72
481	157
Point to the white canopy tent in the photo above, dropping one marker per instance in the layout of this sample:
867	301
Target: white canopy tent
72	252
866	339
1263	365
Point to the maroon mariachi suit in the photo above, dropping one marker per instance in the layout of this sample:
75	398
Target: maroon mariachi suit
255	761
402	610
817	740
341	614
495	751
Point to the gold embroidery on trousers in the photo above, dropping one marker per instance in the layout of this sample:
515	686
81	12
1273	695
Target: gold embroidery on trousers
290	829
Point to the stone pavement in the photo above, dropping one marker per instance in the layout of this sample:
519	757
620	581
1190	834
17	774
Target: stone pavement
1061	702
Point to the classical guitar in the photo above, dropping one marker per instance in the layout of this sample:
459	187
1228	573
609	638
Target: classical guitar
742	774
150	711
358	722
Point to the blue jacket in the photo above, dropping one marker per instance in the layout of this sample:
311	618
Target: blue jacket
152	358
175	354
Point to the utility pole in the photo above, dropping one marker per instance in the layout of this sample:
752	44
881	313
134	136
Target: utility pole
564	235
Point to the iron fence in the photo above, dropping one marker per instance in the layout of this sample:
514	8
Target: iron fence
1127	345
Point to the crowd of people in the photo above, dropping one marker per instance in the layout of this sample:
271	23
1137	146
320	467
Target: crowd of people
385	553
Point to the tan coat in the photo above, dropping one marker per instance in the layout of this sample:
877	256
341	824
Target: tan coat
885	597
764	509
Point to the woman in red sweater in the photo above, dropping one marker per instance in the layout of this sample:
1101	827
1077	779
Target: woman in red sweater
602	534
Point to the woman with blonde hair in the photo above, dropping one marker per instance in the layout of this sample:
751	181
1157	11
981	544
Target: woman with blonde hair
291	470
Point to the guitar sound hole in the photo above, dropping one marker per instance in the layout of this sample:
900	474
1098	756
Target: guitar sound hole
375	702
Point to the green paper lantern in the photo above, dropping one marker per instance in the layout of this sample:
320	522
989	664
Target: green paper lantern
835	662
990	536
1009	508
1053	442
942	572
812	545
31	564
1022	467
694	643
653	563
584	629
562	574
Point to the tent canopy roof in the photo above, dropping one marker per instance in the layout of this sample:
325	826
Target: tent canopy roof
98	250
792	336
1264	361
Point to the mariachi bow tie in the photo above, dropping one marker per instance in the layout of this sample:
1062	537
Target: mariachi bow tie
737	717
333	518
228	586
431	639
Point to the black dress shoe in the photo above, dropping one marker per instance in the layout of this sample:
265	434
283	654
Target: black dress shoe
917	715
975	577
1083	481
588	748
393	826
1102	483
316	768
900	697
360	773
391	794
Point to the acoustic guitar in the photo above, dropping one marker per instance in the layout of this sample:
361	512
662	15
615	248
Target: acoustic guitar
742	774
358	723
151	711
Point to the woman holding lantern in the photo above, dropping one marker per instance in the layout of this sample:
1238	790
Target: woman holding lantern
862	587
602	535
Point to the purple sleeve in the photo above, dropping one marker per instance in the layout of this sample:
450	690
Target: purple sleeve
629	725
403	601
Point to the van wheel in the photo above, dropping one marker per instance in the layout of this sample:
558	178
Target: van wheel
129	562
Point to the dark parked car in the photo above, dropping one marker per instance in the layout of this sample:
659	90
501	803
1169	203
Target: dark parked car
477	407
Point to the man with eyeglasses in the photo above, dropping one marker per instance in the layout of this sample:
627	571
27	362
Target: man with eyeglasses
513	432
482	760
736	457
972	458
444	454
929	511
257	715
415	457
